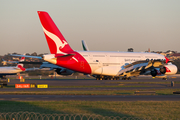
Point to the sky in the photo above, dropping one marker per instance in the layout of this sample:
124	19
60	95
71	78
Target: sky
105	25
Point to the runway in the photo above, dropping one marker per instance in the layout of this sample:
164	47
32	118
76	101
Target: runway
87	82
90	97
90	85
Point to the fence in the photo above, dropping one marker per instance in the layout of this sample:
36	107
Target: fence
38	116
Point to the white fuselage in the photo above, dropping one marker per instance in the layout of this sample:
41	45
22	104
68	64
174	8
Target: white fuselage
110	63
9	70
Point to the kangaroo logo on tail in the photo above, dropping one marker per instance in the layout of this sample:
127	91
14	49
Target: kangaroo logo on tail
59	43
55	40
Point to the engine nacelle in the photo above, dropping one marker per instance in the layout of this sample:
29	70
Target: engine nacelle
153	72
171	69
168	69
64	72
162	70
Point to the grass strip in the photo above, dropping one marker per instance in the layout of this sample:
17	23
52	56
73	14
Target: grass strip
175	82
91	92
149	110
100	86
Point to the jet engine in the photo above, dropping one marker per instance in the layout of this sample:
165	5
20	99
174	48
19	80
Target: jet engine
64	71
153	72
168	69
162	70
171	69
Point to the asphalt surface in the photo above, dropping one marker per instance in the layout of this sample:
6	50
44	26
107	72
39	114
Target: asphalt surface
93	82
90	97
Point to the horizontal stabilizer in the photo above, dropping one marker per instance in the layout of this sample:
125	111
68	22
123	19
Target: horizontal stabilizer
66	55
38	57
31	62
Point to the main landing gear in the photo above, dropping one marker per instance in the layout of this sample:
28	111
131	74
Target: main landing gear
111	78
106	78
126	78
164	78
3	77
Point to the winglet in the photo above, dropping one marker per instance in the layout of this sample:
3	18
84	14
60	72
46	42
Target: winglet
85	47
55	40
167	60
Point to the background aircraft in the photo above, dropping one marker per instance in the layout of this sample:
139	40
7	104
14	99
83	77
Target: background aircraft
102	65
12	70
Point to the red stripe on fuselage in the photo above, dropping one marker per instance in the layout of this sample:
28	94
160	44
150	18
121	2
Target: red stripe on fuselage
77	63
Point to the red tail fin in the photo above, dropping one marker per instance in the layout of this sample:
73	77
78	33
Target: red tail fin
21	65
55	40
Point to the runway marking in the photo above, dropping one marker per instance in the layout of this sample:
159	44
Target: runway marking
14	98
29	98
58	96
45	97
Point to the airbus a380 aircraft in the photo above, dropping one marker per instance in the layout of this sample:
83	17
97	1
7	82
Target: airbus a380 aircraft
12	70
102	65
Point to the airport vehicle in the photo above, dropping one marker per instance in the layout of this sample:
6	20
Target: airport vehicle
102	65
12	70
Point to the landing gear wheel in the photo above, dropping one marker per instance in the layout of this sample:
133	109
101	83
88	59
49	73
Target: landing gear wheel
3	77
164	78
126	78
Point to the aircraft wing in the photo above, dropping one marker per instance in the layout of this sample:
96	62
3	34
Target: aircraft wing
31	69
140	67
51	66
5	62
30	62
